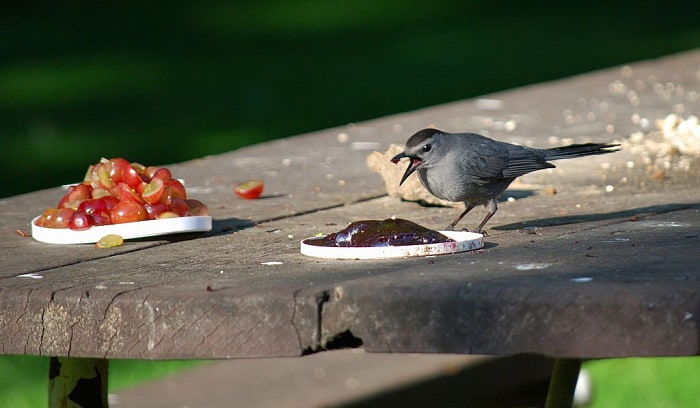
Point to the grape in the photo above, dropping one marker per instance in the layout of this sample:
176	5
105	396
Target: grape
179	207
92	206
100	176
163	174
121	171
58	218
115	191
154	210
101	218
197	207
41	221
140	168
110	241
110	201
127	211
125	193
154	190
75	195
79	221
173	189
250	189
97	210
167	214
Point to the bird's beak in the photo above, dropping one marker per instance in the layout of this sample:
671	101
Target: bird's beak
415	162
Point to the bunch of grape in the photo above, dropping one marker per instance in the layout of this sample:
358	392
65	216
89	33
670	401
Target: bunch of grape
115	191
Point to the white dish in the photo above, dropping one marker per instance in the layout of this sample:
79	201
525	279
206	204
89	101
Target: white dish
464	241
127	230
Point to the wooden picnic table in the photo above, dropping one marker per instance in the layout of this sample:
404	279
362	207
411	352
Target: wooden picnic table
597	258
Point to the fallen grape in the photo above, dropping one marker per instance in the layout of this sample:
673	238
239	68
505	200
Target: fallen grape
110	241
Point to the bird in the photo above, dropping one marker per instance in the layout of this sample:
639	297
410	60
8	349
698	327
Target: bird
475	169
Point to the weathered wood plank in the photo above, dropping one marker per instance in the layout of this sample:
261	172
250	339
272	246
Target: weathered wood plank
144	304
217	295
597	292
318	171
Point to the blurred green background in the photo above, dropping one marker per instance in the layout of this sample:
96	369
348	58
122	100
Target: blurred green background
163	82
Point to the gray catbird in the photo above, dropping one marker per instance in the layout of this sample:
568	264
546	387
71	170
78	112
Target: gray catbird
475	169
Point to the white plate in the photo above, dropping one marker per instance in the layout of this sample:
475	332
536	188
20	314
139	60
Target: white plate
464	241
127	230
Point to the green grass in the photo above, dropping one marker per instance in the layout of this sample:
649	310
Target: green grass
24	379
631	382
646	382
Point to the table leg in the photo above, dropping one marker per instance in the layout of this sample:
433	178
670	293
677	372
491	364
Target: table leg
78	382
563	383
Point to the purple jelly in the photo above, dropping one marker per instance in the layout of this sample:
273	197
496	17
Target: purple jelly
378	233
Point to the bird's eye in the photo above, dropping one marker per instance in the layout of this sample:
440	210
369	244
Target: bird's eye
427	148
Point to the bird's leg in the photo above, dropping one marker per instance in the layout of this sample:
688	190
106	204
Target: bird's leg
479	229
453	223
491	207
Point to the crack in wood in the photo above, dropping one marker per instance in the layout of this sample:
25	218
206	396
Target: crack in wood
317	340
328	341
321	299
115	332
295	300
43	322
17	323
70	338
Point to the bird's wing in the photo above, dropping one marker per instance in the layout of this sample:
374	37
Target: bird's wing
486	160
489	160
523	160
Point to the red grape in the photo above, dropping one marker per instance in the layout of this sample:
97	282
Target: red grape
127	211
101	218
58	218
99	176
75	195
197	207
93	206
179	207
154	210
163	174
121	171
79	221
125	193
173	189
154	190
250	189
115	191
110	201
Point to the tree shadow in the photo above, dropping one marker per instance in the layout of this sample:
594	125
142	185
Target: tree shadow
577	219
516	194
230	225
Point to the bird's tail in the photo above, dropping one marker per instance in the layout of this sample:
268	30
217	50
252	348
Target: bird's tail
579	150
